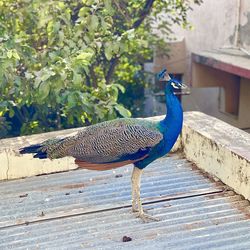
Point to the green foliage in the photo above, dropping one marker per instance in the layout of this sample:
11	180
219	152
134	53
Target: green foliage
58	57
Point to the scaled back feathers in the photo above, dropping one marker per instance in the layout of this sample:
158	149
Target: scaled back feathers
111	141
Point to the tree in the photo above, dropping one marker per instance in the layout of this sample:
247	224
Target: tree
62	62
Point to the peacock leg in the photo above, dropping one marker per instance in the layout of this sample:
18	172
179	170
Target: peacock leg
136	196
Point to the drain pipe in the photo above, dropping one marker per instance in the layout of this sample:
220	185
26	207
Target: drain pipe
236	43
236	38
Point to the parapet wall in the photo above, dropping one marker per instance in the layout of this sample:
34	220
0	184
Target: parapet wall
214	146
219	149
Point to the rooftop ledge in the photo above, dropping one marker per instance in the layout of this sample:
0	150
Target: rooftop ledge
233	61
214	146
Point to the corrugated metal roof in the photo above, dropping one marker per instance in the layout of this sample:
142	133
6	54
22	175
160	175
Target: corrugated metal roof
91	210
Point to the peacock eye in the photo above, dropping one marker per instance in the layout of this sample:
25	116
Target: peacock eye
174	85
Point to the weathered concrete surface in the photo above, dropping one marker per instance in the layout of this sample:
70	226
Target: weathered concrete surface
13	165
219	149
232	61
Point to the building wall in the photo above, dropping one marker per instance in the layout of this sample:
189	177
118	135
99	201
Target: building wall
244	29
216	25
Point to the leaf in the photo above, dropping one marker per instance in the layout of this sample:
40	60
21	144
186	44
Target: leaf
11	113
130	34
123	47
108	7
71	100
108	51
77	79
47	74
61	37
122	111
119	86
93	23
15	54
56	27
82	119
9	53
83	12
115	47
99	111
44	90
104	24
28	75
85	56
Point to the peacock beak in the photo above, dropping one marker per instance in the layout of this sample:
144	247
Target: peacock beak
165	78
184	86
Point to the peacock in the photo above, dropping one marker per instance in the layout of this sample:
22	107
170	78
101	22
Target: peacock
116	143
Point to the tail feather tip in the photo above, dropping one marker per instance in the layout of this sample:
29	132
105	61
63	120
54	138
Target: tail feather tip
30	149
41	155
34	149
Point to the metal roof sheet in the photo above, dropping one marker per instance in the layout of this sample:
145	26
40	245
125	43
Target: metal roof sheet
91	210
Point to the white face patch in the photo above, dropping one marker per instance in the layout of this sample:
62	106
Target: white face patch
175	85
167	77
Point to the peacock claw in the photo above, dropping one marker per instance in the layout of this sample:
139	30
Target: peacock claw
146	217
136	210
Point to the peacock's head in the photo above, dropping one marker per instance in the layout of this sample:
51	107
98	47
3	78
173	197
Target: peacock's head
163	76
172	84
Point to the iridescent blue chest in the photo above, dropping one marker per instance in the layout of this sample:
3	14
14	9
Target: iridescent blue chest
170	127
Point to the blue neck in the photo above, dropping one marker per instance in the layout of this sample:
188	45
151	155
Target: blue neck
171	125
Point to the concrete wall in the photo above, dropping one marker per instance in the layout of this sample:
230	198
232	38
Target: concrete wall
13	165
219	149
214	24
244	28
217	24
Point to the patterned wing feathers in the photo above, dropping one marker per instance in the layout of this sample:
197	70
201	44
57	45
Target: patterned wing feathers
110	142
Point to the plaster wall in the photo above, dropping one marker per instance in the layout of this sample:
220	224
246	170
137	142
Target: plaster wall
216	25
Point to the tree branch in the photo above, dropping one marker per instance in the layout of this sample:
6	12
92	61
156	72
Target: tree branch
122	11
143	13
113	62
88	81
93	76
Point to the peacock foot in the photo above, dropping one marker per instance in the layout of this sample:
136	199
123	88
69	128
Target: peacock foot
136	210
146	217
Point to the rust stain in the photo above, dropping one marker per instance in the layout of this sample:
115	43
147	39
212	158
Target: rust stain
151	236
220	221
206	175
167	197
72	186
19	221
191	226
217	222
167	205
212	196
243	208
